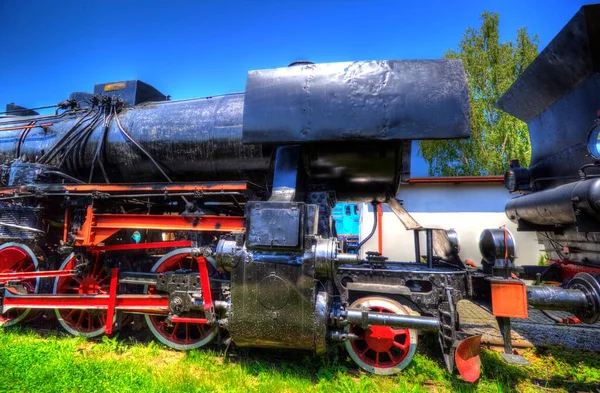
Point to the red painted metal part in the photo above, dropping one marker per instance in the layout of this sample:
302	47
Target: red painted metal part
205	283
35	274
16	259
157	304
99	227
66	225
160	187
380	229
142	246
381	346
457	179
201	321
571	320
509	299
94	280
467	358
139	188
181	333
569	269
26	127
112	300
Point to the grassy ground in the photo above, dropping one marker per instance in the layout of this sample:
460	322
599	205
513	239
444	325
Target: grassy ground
53	362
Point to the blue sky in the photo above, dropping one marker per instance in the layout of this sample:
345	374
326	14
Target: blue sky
198	48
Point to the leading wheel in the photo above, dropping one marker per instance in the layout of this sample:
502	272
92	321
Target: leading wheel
14	258
382	349
181	336
95	281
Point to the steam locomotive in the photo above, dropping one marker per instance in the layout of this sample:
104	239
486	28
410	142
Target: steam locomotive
214	214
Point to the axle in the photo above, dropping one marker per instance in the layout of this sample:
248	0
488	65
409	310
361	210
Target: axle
581	297
365	318
555	298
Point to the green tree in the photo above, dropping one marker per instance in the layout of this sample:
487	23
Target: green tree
496	137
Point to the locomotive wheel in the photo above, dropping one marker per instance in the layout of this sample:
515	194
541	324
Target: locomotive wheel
15	257
181	336
87	323
382	350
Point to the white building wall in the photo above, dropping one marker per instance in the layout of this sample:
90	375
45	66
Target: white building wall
468	208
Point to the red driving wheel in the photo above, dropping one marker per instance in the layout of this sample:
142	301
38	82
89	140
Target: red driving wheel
382	349
15	257
95	280
179	335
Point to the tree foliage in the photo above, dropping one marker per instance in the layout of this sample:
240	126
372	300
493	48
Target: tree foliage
496	137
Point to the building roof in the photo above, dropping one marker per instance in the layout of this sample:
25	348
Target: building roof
457	179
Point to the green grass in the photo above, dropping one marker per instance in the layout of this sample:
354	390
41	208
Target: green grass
30	362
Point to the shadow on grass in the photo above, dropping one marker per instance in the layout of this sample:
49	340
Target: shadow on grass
428	369
567	369
298	364
552	368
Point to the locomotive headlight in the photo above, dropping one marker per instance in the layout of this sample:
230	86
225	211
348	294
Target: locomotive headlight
593	141
509	180
516	178
496	244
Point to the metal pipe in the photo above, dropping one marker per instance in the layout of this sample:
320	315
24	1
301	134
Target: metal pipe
138	278
417	246
555	298
344	258
429	234
20	119
29	109
64	176
365	318
24	228
340	335
379	229
25	127
366	239
222	305
557	205
117	196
